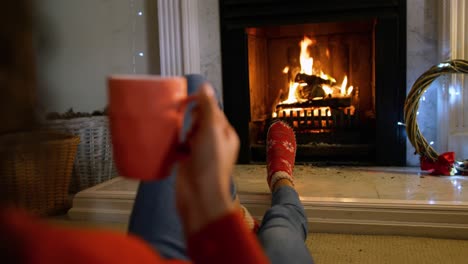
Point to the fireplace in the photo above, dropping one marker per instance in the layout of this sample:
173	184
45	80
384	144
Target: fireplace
334	70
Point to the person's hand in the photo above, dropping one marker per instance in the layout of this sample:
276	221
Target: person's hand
203	180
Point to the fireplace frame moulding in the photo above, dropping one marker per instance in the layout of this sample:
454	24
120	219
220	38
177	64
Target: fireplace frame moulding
390	60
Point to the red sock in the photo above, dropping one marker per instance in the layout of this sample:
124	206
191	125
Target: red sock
281	153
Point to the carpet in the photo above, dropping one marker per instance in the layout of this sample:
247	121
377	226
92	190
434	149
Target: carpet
363	249
359	249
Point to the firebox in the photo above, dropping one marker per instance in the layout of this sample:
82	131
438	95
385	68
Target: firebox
334	70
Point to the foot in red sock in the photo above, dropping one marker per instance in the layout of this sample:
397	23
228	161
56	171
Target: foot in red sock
281	153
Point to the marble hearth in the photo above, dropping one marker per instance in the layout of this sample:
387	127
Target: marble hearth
358	200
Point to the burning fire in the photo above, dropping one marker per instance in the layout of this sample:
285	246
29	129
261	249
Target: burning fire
343	89
292	98
307	63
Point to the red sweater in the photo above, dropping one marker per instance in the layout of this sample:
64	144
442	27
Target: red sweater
24	239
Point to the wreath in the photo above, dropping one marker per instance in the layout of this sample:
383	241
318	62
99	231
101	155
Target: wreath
443	164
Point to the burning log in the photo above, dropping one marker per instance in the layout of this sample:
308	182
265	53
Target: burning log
312	86
310	92
335	102
312	80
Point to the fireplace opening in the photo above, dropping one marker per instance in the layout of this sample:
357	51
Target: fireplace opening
334	70
319	78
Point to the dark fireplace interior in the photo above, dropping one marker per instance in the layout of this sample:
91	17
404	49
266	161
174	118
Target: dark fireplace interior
335	71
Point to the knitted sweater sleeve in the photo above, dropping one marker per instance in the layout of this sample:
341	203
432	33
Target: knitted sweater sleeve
28	240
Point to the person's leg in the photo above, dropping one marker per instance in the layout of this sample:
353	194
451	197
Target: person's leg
284	226
284	229
155	219
154	216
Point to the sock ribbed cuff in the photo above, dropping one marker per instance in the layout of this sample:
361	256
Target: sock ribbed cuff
279	175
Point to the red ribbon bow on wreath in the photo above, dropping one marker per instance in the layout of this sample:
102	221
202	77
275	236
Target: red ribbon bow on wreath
442	166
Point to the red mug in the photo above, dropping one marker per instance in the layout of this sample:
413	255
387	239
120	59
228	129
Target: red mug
146	114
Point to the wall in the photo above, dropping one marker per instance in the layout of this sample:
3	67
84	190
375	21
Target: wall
79	43
453	94
422	54
422	39
210	43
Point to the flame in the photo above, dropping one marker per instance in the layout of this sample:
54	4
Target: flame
292	94
306	67
339	91
343	85
306	61
327	89
350	90
326	77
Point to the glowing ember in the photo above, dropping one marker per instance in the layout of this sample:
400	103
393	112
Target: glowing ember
286	69
301	112
322	111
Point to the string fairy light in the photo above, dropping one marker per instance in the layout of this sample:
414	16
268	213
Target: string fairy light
132	11
135	15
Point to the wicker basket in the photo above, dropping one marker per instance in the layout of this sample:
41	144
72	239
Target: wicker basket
35	170
94	163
